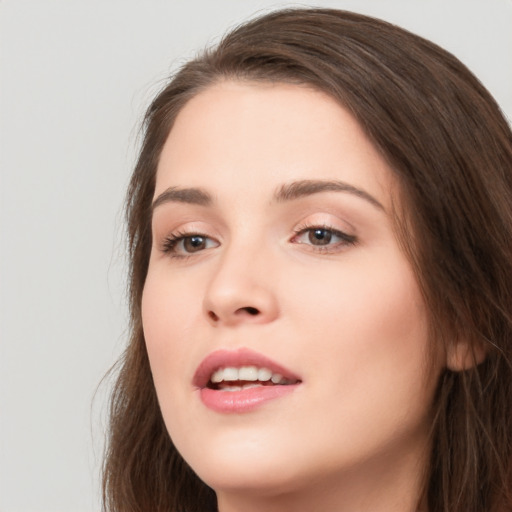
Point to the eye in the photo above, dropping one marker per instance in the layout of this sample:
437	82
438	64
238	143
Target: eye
185	244
323	237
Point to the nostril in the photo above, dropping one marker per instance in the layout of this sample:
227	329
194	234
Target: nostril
213	316
251	311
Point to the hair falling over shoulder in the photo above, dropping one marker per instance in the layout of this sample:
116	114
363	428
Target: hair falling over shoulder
451	150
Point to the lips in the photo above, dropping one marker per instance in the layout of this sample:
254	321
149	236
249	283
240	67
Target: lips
241	380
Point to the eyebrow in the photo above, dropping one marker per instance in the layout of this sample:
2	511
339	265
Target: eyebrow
183	195
287	192
303	188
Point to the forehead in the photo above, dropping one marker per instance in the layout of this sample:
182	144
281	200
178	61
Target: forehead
246	135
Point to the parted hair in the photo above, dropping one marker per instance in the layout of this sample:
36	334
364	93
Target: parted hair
450	148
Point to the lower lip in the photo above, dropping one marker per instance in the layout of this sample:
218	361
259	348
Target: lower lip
244	400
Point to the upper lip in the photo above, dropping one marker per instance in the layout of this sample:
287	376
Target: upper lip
236	358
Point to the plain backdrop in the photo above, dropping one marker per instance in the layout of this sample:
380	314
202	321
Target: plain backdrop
76	76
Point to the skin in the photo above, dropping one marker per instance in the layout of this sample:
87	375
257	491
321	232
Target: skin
347	317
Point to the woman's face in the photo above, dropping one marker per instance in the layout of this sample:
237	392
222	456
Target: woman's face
274	255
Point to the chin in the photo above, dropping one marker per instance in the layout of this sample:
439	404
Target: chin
253	468
263	481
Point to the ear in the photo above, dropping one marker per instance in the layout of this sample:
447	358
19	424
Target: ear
464	355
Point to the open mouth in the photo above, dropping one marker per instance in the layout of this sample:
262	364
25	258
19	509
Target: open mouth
246	377
242	380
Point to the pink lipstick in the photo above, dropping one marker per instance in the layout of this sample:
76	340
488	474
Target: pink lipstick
239	381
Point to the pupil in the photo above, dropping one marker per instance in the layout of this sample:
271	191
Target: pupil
320	237
194	243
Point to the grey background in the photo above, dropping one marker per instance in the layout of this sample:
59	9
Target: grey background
75	77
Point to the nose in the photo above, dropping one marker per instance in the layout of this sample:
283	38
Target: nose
241	290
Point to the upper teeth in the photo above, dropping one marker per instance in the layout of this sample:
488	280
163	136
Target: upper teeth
247	373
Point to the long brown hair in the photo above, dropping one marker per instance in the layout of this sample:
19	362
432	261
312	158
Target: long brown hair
450	147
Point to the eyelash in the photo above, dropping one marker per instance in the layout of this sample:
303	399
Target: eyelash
170	243
345	238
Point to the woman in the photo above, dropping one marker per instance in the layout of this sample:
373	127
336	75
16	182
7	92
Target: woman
320	231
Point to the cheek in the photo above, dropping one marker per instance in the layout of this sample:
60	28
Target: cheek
368	356
168	315
372	323
367	295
